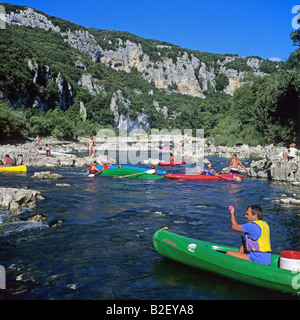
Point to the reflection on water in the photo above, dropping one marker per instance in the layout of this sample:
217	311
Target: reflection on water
103	249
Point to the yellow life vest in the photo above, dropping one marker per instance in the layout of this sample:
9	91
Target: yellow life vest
264	240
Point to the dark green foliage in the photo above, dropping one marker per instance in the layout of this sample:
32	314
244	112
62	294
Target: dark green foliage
238	64
269	66
12	123
221	82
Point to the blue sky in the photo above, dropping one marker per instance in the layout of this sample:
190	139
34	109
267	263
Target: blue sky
257	27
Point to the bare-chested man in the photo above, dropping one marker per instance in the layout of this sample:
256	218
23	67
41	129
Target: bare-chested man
91	146
234	164
37	142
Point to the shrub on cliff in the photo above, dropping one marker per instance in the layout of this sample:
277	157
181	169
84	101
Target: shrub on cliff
11	123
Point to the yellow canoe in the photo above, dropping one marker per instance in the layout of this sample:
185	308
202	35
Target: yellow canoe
21	168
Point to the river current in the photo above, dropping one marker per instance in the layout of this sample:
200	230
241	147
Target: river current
103	248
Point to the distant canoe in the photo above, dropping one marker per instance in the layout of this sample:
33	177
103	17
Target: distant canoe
183	176
21	168
56	153
129	173
114	166
176	163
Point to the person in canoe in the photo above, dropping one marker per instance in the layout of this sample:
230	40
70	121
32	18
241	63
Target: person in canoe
172	158
210	171
257	236
93	169
8	161
105	167
155	171
234	164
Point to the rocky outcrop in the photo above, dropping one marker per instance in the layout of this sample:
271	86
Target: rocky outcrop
186	72
46	175
14	200
276	170
125	121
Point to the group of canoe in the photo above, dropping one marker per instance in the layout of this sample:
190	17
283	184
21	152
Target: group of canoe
145	173
140	173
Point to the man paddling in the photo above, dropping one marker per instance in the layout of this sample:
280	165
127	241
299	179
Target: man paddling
8	161
93	169
257	236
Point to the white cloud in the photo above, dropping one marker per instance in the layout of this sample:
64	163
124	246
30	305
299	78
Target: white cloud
276	59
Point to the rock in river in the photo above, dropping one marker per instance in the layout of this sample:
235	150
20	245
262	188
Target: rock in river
14	199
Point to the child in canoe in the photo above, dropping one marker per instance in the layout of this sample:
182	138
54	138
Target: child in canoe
172	158
8	161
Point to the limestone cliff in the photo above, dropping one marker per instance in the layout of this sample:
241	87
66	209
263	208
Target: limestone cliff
163	65
187	73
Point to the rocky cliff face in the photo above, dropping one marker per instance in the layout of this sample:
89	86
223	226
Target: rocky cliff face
186	72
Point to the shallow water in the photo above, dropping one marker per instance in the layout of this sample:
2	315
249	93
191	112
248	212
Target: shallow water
103	249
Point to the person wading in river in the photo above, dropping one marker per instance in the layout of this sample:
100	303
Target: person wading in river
234	164
257	236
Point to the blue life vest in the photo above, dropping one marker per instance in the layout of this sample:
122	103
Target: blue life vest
208	171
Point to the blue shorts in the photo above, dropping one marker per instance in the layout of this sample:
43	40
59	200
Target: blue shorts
260	257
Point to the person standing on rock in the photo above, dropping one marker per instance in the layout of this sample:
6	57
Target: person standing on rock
234	164
91	146
48	149
291	153
37	142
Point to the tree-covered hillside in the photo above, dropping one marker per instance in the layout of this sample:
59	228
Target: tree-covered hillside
50	84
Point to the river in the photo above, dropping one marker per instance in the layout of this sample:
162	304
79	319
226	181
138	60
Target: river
103	249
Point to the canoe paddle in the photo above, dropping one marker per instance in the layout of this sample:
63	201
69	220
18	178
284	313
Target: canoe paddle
228	179
241	233
223	178
151	171
94	174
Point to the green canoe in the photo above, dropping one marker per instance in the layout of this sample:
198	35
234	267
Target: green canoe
129	173
211	257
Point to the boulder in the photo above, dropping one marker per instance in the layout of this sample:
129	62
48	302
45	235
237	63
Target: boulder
290	201
14	199
46	175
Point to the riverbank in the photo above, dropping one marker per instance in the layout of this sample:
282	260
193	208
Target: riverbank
270	163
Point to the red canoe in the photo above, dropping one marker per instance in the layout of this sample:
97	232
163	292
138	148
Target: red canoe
202	176
171	164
